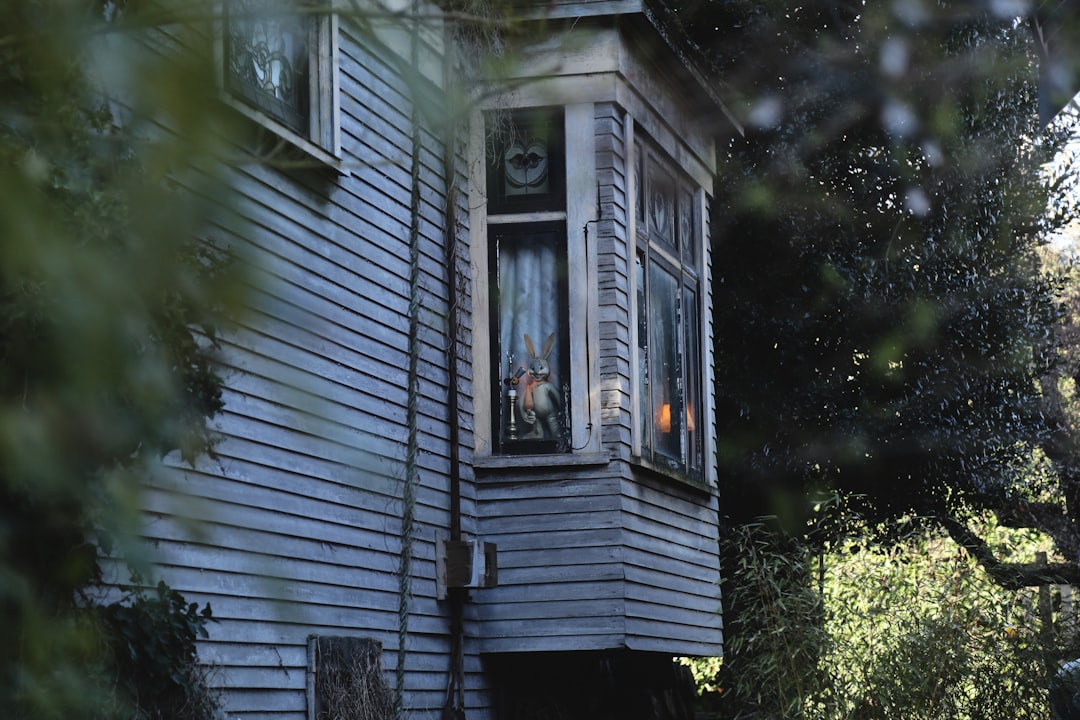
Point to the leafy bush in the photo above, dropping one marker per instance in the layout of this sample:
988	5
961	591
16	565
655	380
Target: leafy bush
915	630
111	296
151	641
773	621
920	631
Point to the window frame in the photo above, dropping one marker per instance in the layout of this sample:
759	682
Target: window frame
321	141
579	209
678	253
508	385
519	216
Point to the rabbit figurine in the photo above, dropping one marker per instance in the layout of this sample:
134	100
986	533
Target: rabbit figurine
540	404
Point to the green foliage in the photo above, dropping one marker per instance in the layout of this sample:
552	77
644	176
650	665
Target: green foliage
915	630
774	635
110	300
882	320
151	640
919	631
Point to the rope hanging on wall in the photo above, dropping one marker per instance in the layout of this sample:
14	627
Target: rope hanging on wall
412	471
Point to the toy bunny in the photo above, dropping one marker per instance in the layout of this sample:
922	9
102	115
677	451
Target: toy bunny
540	405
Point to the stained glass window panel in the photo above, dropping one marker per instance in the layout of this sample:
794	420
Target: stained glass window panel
661	199
268	54
526	164
686	222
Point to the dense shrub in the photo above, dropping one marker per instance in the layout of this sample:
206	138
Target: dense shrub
920	631
916	630
150	638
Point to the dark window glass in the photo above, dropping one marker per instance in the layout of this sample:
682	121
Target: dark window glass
692	380
661	210
530	345
665	372
526	165
267	46
686	224
669	364
644	396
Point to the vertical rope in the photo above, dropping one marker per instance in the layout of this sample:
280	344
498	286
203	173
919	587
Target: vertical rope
454	703
412	411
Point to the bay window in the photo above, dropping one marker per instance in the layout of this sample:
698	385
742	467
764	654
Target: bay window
668	346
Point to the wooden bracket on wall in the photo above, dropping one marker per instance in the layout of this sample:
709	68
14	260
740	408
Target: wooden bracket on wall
465	564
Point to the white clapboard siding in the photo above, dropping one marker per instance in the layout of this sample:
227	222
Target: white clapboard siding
294	527
614	285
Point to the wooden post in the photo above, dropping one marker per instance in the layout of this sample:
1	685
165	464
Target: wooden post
1046	620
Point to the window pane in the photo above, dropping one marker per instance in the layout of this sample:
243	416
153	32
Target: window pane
692	379
664	379
644	414
267	48
532	357
686	224
639	185
525	160
661	192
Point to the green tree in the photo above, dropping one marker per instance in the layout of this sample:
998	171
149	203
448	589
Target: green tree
885	328
882	317
917	630
110	299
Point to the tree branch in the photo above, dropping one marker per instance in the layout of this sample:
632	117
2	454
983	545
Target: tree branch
1011	576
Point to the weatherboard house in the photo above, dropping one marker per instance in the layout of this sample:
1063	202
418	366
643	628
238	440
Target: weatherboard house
467	444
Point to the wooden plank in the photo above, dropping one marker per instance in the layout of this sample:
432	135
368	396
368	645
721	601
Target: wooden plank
682	628
342	493
533	642
596	538
263	705
554	522
279	634
562	592
572	554
231	568
687	581
556	483
530	577
664	603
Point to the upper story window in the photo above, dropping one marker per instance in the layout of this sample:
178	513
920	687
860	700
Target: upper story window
668	346
279	66
528	281
526	164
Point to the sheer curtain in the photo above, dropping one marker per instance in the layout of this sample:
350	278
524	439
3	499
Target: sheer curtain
530	268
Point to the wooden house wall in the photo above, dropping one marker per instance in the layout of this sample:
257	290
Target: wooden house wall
300	514
560	561
614	258
672	568
670	535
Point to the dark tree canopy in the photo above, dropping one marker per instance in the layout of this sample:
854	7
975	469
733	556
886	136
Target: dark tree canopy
882	321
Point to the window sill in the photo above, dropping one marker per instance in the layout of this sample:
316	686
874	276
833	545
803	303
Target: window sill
281	146
499	462
668	475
